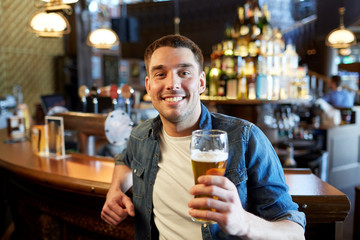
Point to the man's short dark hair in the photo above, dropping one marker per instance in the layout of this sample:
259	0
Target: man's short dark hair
337	80
175	41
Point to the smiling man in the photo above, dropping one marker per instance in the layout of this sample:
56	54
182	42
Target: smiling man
253	200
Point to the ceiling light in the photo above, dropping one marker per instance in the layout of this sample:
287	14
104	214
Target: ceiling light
51	24
341	37
345	51
63	1
103	38
55	5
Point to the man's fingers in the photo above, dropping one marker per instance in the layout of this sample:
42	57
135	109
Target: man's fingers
209	203
219	181
129	206
108	219
211	190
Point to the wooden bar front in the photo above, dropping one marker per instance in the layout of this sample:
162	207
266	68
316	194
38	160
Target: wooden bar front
62	199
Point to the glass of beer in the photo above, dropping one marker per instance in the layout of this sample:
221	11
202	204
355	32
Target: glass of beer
209	154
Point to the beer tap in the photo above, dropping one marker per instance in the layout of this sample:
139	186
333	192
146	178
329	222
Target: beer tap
126	92
83	93
94	91
114	96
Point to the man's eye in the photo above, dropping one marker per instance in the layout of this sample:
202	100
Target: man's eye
159	74
185	73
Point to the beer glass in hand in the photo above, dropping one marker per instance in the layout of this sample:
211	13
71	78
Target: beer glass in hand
209	154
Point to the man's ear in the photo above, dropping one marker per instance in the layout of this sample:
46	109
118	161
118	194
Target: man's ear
202	83
147	84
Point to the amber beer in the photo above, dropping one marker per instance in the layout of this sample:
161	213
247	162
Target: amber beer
209	154
208	163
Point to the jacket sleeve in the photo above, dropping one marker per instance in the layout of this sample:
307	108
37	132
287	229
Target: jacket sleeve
267	190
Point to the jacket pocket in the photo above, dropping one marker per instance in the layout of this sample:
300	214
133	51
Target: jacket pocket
236	176
239	178
138	179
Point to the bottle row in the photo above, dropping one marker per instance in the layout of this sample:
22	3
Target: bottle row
263	78
253	62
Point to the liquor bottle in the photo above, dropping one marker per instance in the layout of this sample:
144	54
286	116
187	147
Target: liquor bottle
266	31
214	75
241	79
249	72
241	32
240	27
232	86
256	15
223	78
207	74
264	18
291	64
261	79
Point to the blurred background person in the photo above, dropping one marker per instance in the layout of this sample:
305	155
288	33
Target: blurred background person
337	96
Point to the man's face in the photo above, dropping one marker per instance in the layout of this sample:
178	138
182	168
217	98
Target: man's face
175	83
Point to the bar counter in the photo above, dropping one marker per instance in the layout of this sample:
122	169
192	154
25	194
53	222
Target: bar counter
62	199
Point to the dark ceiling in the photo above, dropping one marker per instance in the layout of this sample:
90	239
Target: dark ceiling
204	21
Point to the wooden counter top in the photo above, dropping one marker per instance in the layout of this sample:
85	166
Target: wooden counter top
91	176
79	172
320	201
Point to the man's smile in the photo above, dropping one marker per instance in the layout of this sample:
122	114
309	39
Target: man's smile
173	99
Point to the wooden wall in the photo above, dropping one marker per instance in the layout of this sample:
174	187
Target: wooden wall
25	59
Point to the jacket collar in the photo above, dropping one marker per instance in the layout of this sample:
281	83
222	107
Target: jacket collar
205	122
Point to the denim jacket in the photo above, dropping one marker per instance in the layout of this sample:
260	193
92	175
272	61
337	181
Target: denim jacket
253	166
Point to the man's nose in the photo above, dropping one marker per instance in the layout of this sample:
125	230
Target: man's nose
173	81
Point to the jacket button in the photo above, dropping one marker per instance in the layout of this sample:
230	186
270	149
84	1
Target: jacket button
156	155
134	170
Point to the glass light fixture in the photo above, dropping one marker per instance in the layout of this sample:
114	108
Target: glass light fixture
63	1
49	21
55	5
102	38
49	24
340	37
345	51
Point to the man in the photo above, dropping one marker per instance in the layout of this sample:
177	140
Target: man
253	201
338	97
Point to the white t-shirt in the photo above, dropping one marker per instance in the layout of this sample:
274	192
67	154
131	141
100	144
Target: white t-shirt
171	190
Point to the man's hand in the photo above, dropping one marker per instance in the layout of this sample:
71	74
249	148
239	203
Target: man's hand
117	207
229	214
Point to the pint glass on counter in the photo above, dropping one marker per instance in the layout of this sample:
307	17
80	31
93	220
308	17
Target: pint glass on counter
209	154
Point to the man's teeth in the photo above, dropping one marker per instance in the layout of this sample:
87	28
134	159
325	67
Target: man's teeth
173	99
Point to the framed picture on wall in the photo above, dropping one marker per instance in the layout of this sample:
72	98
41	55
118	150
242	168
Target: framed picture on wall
110	69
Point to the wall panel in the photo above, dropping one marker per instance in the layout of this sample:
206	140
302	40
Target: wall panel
25	59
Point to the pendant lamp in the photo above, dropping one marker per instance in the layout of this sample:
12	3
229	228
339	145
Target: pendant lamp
49	24
49	21
340	37
102	38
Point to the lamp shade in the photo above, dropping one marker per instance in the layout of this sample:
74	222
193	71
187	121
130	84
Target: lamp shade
103	38
340	38
63	1
51	24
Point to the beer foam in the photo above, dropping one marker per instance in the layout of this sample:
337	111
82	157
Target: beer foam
209	156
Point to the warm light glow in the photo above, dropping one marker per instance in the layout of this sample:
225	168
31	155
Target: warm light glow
49	24
340	37
63	1
103	38
345	51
